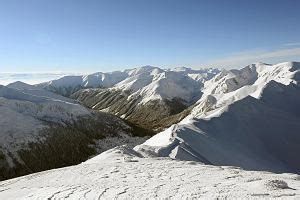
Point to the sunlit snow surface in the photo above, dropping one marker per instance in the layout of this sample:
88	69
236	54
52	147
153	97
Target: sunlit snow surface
119	174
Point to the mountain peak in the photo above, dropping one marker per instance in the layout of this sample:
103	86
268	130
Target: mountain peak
21	85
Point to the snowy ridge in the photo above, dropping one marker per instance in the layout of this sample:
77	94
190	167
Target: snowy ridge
37	91
255	106
150	83
69	84
231	86
123	174
40	103
93	80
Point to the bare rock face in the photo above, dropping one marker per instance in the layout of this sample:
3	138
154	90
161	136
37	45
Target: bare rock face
277	185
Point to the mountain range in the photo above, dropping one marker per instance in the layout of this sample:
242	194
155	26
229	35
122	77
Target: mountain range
143	96
209	121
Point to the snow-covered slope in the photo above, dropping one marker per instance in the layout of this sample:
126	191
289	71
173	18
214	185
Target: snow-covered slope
70	84
38	104
37	91
24	113
37	125
231	86
121	174
153	83
248	118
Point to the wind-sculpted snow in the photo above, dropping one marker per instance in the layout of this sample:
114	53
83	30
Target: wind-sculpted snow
253	123
121	173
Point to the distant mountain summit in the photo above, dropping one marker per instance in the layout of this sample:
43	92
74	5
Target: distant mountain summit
67	85
70	84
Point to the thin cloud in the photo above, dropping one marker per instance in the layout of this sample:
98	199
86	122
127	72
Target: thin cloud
30	78
246	58
292	44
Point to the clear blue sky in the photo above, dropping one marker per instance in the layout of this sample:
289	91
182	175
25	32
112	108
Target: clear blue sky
105	35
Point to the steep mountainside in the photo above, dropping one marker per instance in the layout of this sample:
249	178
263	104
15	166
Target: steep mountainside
149	95
41	130
248	118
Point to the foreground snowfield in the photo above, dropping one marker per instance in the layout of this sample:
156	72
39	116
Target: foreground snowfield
120	173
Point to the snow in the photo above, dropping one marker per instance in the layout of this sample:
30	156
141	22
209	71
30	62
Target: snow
37	91
161	138
121	173
244	120
152	83
40	104
24	111
95	80
257	106
231	86
200	75
149	83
